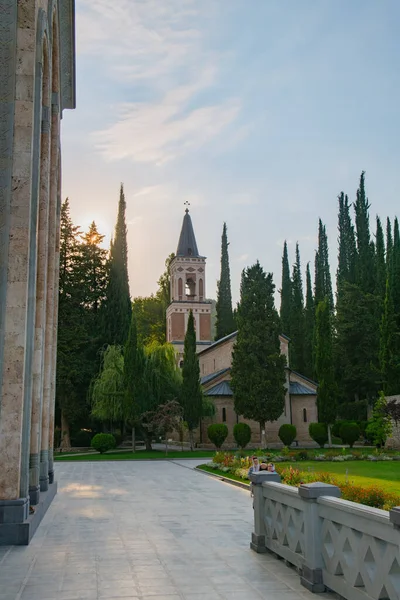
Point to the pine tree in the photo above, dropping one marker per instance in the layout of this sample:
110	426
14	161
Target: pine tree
225	321
380	262
324	366
191	393
309	324
297	319
323	282
286	293
117	314
365	258
258	367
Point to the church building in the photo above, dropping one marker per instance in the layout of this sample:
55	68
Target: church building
188	284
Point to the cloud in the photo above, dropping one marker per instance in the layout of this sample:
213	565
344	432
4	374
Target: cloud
245	199
242	258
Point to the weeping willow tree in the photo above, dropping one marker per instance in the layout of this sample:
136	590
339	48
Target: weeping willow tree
107	393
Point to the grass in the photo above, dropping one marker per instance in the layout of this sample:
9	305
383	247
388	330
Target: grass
383	474
139	455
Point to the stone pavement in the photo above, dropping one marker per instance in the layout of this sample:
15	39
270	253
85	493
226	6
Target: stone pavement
148	531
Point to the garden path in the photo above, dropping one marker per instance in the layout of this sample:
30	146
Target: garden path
144	530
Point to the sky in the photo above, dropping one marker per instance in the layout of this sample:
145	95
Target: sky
257	112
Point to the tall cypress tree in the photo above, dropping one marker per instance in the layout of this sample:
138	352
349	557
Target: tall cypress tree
389	243
118	308
191	392
389	355
297	324
286	293
365	257
309	323
225	323
324	367
380	263
323	281
347	245
258	367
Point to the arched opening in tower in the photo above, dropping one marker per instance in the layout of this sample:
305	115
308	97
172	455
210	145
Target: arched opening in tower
190	288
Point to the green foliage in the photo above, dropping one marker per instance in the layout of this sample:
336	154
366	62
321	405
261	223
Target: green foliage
319	433
349	433
102	442
150	318
108	390
117	311
297	319
286	293
347	245
217	433
242	434
323	282
324	367
309	324
258	367
365	276
225	323
380	426
191	392
81	439
287	434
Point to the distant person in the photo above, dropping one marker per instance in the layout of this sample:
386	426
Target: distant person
271	468
255	467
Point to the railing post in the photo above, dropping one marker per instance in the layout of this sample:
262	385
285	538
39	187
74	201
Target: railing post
394	515
311	576
258	536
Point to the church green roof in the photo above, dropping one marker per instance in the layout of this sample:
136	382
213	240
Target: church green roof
221	389
187	245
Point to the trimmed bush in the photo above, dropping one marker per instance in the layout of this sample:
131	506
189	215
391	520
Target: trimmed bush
319	433
81	439
349	433
335	429
242	434
102	442
287	434
217	433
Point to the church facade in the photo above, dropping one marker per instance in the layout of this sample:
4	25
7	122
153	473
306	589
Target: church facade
187	275
37	82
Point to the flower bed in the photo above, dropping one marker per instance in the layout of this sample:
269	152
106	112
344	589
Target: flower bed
374	496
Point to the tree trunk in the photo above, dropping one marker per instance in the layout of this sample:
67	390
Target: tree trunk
329	437
148	442
262	435
191	439
65	443
166	446
133	439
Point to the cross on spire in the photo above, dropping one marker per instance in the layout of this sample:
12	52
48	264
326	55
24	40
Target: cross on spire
187	204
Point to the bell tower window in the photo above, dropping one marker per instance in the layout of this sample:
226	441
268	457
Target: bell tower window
190	288
180	288
201	290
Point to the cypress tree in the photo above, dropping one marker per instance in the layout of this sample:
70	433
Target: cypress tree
347	244
389	355
134	365
324	367
191	392
380	263
389	243
365	257
225	323
323	282
118	309
286	293
309	322
258	367
297	323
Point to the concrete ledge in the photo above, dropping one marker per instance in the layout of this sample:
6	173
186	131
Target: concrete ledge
20	534
244	486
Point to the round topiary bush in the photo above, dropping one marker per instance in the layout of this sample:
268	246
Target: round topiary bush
287	434
242	434
102	442
81	439
319	433
349	433
335	430
217	433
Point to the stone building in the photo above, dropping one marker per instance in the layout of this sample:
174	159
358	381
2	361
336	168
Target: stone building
37	82
188	281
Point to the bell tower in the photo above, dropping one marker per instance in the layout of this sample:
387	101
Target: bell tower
188	291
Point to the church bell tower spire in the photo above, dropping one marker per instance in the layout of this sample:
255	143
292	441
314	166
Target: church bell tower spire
188	290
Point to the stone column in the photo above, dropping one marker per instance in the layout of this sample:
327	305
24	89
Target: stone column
16	83
311	576
258	536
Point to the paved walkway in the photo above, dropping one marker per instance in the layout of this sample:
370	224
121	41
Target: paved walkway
144	530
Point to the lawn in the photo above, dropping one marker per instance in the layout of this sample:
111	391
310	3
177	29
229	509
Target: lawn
383	474
139	455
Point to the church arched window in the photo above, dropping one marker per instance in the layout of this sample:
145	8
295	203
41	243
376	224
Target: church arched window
201	289
224	415
180	288
305	415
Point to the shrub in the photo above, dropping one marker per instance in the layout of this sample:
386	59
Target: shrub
81	439
302	455
335	430
118	439
217	433
319	433
242	434
287	434
102	442
349	433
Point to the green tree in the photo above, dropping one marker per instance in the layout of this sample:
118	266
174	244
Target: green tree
191	393
150	318
324	367
297	319
365	255
108	389
347	245
323	282
225	322
309	324
389	242
258	367
286	293
163	294
380	262
134	383
117	313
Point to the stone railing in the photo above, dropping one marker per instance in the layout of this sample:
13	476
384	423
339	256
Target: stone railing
345	547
